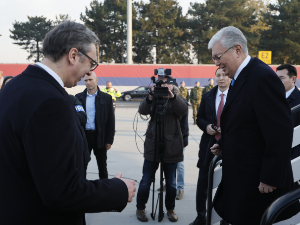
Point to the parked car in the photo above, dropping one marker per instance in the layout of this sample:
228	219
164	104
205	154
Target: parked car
138	93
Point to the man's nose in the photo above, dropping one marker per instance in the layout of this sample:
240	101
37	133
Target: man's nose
217	63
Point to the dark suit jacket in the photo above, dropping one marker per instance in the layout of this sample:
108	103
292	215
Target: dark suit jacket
206	115
294	100
41	157
104	117
257	132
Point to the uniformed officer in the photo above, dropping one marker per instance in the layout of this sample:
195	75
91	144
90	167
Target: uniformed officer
111	91
210	86
196	95
184	92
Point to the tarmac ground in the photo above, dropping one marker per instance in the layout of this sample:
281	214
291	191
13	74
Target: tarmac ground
126	157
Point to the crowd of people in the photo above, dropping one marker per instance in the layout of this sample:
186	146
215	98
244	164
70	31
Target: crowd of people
245	118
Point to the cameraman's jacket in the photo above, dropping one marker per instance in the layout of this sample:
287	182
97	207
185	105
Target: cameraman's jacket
175	109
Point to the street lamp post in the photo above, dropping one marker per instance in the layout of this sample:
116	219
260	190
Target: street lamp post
129	31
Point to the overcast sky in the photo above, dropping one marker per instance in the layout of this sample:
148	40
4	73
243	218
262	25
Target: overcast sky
18	10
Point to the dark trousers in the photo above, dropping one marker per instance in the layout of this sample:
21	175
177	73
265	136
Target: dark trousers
100	153
149	170
201	194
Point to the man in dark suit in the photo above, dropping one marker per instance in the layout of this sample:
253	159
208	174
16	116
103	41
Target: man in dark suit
41	146
257	133
288	75
100	126
207	118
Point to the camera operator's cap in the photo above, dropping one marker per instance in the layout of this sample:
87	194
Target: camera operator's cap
196	81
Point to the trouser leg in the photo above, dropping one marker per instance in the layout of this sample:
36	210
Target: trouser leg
101	157
149	169
170	175
201	195
180	174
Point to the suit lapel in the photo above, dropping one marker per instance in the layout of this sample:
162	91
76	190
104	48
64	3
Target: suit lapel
238	84
212	100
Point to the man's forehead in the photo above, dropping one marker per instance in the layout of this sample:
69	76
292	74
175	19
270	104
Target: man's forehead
217	48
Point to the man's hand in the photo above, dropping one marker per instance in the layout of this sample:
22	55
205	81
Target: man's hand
216	150
209	130
108	146
264	188
115	90
219	130
171	95
130	186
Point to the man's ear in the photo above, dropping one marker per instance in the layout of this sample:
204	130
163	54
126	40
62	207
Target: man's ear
294	78
238	49
73	54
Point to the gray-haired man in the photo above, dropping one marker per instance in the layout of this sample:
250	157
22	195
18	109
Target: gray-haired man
257	132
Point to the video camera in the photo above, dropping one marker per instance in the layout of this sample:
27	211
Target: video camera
160	91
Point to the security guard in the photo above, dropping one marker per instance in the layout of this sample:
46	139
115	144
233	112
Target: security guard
184	92
210	86
196	95
111	91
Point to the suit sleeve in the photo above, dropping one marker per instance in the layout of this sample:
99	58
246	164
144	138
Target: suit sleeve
51	141
111	124
201	122
275	121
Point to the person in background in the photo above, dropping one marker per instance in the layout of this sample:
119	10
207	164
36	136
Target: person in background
196	95
208	116
288	75
184	125
6	80
1	78
209	86
100	126
112	91
184	92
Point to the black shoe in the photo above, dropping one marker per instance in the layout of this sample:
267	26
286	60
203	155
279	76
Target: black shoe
198	222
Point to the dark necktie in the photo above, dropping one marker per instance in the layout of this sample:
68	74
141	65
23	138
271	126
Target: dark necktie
220	109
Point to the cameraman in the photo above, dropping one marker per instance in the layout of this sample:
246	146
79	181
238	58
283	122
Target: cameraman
174	107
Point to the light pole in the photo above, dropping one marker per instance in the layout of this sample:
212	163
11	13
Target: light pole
129	31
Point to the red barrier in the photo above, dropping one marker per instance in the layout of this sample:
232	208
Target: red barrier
145	70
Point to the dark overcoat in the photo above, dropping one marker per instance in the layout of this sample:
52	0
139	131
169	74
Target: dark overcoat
41	157
294	100
206	115
257	133
104	117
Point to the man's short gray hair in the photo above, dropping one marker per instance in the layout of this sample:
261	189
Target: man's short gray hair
65	36
229	36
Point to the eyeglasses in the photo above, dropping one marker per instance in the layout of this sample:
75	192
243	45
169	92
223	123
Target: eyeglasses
94	64
217	58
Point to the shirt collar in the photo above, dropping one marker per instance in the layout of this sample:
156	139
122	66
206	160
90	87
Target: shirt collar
242	66
91	95
288	93
51	72
220	92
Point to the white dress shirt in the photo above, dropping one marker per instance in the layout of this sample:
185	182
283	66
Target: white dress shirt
242	66
288	93
90	111
218	99
51	72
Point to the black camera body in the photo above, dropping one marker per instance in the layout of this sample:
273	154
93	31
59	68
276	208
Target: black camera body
160	91
214	127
